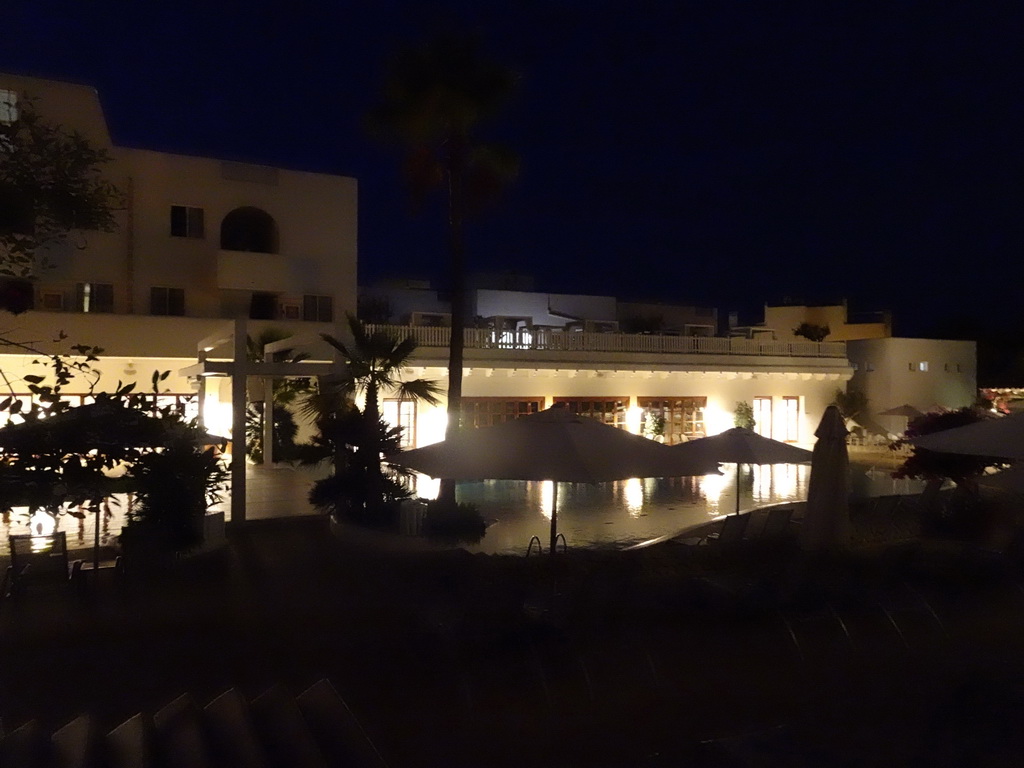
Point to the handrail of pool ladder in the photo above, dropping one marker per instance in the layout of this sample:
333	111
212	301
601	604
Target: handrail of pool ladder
540	547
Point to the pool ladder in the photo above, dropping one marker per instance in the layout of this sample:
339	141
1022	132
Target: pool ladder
540	547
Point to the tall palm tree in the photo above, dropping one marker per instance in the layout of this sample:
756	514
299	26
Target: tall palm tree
373	365
434	97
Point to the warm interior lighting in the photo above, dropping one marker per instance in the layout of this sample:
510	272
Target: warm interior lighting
430	426
717	420
217	417
426	487
633	416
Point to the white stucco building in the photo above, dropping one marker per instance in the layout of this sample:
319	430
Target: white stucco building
199	242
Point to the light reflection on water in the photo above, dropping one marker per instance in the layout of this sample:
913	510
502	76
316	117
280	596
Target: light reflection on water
606	514
630	511
80	531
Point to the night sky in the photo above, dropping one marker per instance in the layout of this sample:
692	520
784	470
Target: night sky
720	153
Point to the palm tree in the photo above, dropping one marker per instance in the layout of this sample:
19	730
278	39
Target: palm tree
286	392
434	97
373	366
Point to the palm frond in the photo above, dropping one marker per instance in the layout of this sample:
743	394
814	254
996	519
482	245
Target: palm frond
424	390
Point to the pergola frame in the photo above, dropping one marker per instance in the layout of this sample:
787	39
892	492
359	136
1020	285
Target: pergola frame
234	336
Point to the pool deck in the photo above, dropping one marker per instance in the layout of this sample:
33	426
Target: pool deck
634	658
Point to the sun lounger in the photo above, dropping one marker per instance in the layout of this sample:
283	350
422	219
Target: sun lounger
74	745
25	747
130	745
336	729
776	524
41	560
284	733
733	529
180	740
231	733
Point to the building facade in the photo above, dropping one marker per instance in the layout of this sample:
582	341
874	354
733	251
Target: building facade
199	241
203	241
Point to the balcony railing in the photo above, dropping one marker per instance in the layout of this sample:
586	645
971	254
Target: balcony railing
545	339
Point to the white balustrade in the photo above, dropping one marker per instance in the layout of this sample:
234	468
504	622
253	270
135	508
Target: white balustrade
574	341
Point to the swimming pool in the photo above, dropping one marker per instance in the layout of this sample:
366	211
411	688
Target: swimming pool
607	514
628	512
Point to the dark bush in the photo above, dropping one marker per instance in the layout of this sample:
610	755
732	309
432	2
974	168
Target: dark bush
458	523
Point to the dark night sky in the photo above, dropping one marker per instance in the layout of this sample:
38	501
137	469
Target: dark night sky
723	153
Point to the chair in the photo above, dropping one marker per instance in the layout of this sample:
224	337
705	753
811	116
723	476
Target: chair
41	560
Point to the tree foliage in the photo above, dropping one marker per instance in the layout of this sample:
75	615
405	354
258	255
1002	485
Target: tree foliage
937	465
851	403
373	365
434	98
743	416
51	184
57	462
812	331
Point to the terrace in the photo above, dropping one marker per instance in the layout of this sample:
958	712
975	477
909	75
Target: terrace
559	340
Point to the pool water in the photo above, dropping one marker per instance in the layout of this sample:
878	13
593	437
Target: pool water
629	512
606	514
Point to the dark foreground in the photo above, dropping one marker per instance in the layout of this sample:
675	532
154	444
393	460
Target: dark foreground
905	656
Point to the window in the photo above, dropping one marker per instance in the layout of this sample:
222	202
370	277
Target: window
485	411
186	221
8	106
791	419
610	410
683	416
51	301
94	297
923	366
262	306
318	309
401	413
167	301
763	416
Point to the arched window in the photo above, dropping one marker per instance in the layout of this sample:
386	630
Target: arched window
248	229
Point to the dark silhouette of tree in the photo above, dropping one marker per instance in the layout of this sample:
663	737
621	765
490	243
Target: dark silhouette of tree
373	365
812	331
965	515
51	184
851	404
435	96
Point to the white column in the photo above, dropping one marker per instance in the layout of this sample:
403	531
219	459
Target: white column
239	369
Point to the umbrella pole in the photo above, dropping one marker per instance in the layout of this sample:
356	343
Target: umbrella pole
737	487
554	516
96	549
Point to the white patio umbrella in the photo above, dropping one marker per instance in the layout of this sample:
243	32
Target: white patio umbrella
1010	480
908	411
826	523
554	444
1001	437
741	446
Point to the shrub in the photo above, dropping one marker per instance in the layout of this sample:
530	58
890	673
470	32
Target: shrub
459	523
